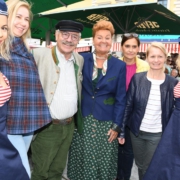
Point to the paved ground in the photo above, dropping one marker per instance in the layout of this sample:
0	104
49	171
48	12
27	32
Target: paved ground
134	173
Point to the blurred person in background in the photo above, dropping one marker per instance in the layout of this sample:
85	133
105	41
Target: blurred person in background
168	63
175	72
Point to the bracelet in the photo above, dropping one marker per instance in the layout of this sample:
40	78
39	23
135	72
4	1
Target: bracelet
115	127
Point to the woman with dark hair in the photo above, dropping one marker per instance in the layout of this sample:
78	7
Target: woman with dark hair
93	153
130	47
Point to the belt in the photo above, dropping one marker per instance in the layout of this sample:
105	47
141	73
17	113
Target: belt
62	121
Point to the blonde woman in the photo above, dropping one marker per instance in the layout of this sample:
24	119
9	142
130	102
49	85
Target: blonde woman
166	160
27	108
149	106
11	166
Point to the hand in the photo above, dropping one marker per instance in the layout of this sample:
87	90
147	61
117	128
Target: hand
112	134
121	140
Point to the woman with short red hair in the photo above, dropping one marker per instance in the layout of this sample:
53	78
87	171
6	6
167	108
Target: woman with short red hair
93	153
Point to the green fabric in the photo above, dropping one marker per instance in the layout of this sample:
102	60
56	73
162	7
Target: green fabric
94	82
147	18
109	101
40	26
54	55
49	161
91	156
78	116
46	5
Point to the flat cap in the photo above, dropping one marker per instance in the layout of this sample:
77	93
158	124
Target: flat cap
68	25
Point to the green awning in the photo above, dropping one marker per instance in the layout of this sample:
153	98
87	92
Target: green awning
44	28
46	5
144	18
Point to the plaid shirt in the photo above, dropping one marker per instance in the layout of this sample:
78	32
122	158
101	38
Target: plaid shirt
27	108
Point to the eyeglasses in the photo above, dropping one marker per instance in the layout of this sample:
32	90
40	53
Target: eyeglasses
130	34
66	35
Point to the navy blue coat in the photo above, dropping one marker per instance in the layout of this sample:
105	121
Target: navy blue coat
107	101
137	98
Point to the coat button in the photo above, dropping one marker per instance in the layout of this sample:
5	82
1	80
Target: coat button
93	97
54	82
57	71
52	93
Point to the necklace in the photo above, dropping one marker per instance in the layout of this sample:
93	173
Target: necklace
102	58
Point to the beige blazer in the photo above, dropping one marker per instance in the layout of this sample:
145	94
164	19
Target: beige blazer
49	72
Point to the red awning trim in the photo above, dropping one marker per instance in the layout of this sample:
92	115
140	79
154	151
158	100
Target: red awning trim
170	47
116	47
82	49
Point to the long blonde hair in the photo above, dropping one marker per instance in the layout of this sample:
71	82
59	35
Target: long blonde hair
5	48
13	6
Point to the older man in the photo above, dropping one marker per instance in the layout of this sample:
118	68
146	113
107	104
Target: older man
60	74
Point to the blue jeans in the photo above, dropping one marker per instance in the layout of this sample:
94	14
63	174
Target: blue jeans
125	157
22	143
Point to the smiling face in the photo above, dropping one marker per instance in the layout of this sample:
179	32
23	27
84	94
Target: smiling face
67	42
130	49
21	22
102	42
3	28
156	59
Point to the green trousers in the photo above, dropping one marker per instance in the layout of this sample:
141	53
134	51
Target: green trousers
49	151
